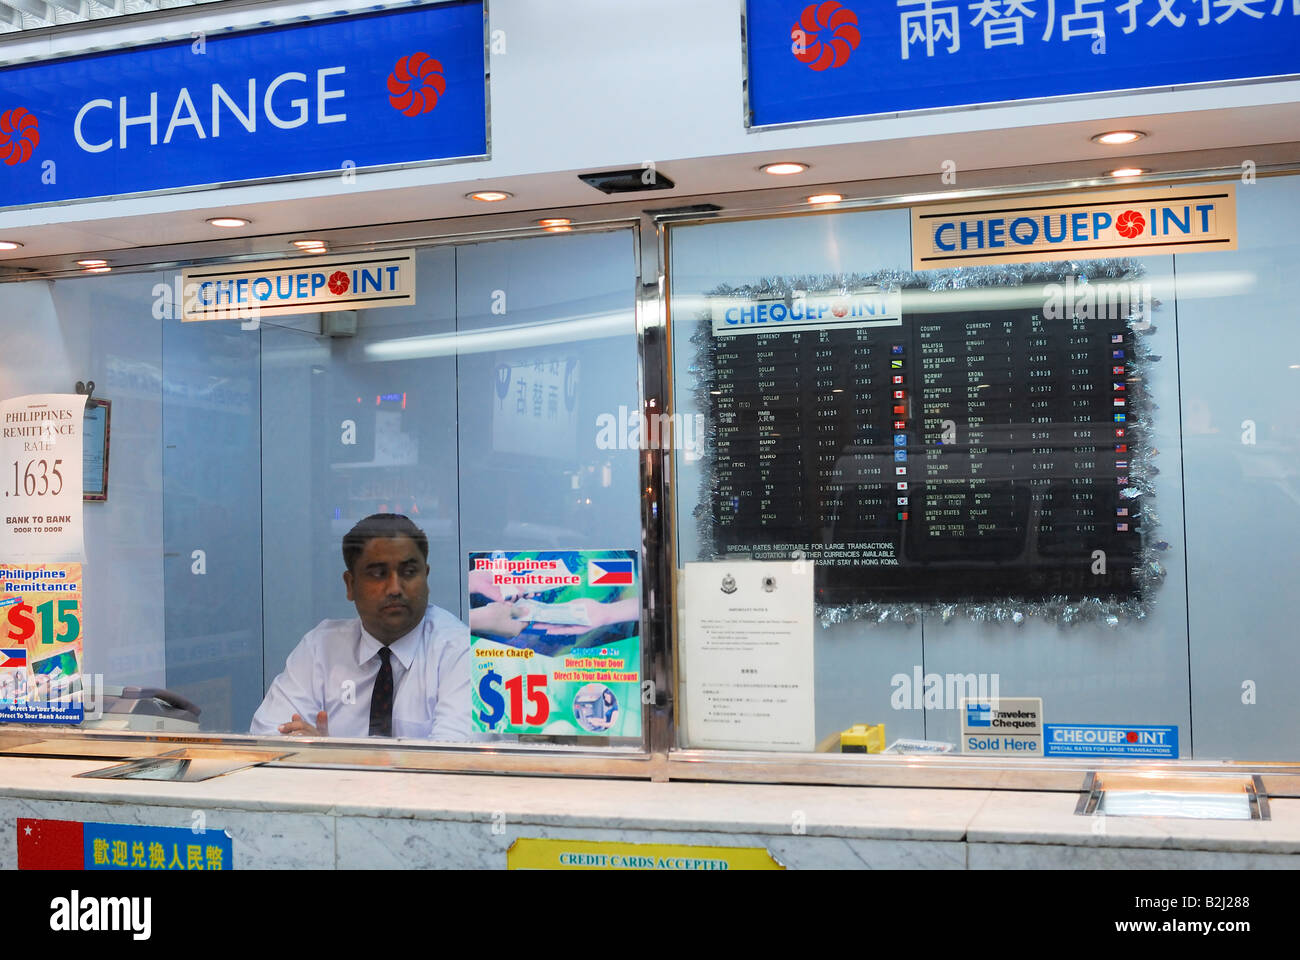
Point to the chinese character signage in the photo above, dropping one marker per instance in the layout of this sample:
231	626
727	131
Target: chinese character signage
325	97
822	60
73	845
1066	226
555	640
535	403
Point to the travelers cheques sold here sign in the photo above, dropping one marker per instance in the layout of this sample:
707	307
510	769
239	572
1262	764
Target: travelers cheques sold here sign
825	59
324	97
1102	223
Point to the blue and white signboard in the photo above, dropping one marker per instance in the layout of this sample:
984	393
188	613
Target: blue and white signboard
278	288
825	59
1110	740
324	97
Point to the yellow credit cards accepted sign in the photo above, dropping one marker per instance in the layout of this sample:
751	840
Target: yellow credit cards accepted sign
528	853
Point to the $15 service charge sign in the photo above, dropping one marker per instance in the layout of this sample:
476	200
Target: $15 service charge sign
41	550
555	642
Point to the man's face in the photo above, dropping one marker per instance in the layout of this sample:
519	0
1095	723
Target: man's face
389	583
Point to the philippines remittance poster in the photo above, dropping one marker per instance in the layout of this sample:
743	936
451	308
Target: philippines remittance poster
555	641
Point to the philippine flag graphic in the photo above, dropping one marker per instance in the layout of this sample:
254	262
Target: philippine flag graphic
609	573
13	658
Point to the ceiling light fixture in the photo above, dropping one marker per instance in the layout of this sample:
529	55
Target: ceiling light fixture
97	270
92	263
1126	172
1116	138
825	198
229	222
9	245
489	196
784	169
303	244
554	222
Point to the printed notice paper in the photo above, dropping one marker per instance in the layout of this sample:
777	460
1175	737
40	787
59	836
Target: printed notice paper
748	655
40	474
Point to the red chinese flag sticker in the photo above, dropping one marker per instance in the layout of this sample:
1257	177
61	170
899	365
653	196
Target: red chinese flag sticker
50	845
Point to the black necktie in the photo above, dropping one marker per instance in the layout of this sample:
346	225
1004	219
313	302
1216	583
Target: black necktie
381	698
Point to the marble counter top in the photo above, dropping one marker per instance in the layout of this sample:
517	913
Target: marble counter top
993	817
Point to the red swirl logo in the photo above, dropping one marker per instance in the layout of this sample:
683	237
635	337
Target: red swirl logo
18	135
338	283
416	83
1129	224
837	23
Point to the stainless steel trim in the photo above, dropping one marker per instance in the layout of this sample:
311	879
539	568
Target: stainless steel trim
290	177
985	105
1088	796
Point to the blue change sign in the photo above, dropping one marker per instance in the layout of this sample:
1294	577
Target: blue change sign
827	59
1109	740
322	97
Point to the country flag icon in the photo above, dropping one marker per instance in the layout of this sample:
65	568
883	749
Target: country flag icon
898	378
1122	527
896	348
610	573
1119	431
902	515
1117	371
902	501
900	455
1117	338
1120	418
899	411
896	364
900	471
900	424
13	658
1121	464
1119	402
898	394
1121	448
901	485
1119	387
1117	354
1121	511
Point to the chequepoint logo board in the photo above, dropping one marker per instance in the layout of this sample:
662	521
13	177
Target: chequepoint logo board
19	135
826	34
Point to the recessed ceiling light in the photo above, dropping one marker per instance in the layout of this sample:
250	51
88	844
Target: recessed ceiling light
558	228
229	222
554	222
9	244
1124	172
1115	138
309	243
92	263
825	198
489	196
321	249
784	169
97	270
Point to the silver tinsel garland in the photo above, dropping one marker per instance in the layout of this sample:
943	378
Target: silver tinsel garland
1149	571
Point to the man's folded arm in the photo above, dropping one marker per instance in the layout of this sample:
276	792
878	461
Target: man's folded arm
451	713
293	691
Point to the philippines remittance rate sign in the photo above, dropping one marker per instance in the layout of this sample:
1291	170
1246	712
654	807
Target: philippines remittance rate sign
41	550
555	642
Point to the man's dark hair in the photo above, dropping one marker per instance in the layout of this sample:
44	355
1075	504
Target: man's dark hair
381	526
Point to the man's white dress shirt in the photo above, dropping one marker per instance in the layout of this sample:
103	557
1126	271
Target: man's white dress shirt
333	668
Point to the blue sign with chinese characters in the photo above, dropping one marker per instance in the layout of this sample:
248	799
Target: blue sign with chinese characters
848	58
324	97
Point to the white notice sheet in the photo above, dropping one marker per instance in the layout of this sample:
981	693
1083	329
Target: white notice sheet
748	655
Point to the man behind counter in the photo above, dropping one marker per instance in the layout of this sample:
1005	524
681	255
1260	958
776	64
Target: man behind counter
401	669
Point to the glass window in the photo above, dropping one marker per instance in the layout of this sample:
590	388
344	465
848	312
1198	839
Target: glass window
243	453
1073	481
